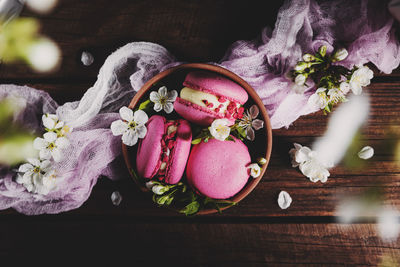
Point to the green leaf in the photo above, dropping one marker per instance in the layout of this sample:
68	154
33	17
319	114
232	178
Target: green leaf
230	138
191	208
145	104
196	141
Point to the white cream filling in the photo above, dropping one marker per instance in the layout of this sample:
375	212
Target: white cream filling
197	97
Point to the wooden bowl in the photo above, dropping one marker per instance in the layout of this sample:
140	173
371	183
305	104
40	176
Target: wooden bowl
262	145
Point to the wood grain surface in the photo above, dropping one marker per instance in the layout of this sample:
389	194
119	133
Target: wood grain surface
256	232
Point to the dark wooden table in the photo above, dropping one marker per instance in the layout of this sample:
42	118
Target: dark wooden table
254	233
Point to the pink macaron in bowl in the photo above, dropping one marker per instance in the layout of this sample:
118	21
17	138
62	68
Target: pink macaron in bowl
211	170
207	96
163	153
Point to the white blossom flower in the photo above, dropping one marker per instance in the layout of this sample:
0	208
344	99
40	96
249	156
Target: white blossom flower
44	55
37	176
255	170
318	99
308	163
344	87
314	170
163	99
284	200
132	128
388	224
336	96
219	129
159	189
361	77
340	54
50	146
366	152
300	79
250	123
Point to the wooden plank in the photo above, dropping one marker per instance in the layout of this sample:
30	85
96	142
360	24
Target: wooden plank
189	244
197	31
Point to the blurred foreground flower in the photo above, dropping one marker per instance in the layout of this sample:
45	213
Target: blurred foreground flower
20	41
16	143
41	6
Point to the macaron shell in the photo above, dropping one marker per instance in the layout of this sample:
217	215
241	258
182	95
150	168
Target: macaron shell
149	150
180	154
196	114
218	169
216	84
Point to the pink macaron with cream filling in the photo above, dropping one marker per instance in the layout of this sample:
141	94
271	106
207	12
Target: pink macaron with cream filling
207	96
218	169
163	153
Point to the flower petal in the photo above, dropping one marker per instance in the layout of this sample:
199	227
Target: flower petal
126	113
62	142
25	167
254	111
44	154
168	107
140	117
118	127
56	154
157	107
59	125
129	138
257	124
172	96
39	143
44	165
50	137
162	91
154	97
250	135
33	161
48	122
141	131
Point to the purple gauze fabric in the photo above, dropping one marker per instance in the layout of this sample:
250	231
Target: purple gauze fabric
364	27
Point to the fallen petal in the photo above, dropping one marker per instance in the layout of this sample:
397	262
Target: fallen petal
366	152
284	200
116	198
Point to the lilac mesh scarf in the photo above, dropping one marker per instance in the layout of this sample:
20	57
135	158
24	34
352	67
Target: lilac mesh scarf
363	27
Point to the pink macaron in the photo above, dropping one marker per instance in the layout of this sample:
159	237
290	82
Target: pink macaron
163	153
218	169
207	96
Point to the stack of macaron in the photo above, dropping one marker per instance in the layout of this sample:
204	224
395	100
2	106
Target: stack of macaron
215	169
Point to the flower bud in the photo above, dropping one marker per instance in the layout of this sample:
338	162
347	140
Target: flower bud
300	66
322	50
161	200
149	184
308	57
300	79
261	160
340	54
159	189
